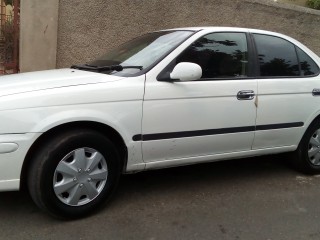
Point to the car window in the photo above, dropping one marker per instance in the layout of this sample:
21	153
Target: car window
308	66
277	57
220	55
144	51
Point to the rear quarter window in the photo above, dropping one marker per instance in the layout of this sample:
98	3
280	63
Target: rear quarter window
308	66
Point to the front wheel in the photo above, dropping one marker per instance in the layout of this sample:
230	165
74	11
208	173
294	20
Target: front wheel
74	173
307	156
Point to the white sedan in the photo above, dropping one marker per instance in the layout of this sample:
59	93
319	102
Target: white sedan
167	98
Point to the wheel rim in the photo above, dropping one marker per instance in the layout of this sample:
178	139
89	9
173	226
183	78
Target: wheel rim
314	148
80	176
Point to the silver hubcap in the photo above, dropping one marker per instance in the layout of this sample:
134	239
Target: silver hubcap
80	176
314	148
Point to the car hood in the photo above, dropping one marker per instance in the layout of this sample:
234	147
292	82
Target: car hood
41	80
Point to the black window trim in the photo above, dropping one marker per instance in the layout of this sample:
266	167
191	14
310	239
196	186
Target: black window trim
257	64
164	74
299	63
255	58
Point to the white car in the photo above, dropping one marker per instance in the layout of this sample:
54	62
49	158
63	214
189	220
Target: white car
167	98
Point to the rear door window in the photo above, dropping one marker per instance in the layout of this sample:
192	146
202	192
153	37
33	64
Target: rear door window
277	57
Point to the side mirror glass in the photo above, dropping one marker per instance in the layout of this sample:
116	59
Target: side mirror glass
186	71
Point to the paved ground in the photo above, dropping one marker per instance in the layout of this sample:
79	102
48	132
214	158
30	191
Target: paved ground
258	198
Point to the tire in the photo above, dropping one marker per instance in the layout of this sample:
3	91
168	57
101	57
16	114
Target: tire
307	155
60	180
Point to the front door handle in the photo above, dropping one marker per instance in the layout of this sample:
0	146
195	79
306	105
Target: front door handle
316	92
245	95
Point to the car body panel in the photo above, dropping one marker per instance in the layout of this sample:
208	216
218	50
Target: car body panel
193	106
117	104
11	163
284	101
41	80
217	157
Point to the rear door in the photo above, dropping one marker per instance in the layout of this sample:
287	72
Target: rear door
285	103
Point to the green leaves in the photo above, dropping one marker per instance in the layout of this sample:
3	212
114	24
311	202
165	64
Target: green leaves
314	4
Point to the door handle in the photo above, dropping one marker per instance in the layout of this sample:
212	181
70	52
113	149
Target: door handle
316	92
245	95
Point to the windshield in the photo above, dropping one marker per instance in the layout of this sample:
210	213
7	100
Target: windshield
144	51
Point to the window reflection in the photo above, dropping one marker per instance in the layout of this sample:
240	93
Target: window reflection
220	55
308	66
143	51
277	57
278	67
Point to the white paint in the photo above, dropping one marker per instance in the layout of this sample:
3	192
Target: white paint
186	71
8	147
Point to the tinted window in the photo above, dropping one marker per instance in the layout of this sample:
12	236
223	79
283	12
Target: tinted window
277	57
220	55
308	66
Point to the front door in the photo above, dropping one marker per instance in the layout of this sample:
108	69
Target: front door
213	115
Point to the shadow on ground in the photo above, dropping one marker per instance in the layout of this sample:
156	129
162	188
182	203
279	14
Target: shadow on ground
171	179
256	198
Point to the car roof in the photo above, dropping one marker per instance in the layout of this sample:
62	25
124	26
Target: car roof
232	29
213	28
216	28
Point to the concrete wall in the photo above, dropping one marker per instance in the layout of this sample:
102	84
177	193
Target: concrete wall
89	28
38	34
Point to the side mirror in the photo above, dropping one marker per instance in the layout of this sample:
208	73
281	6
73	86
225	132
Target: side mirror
186	71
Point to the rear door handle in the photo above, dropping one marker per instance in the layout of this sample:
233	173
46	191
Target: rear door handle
245	95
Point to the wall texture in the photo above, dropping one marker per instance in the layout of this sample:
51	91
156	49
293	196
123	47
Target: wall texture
89	28
38	34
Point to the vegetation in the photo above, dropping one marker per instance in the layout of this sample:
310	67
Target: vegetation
8	2
314	4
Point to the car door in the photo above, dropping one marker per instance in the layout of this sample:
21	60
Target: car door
183	121
287	77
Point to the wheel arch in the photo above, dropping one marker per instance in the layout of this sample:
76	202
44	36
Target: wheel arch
108	131
308	124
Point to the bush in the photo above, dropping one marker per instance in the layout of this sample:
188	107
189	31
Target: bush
314	4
